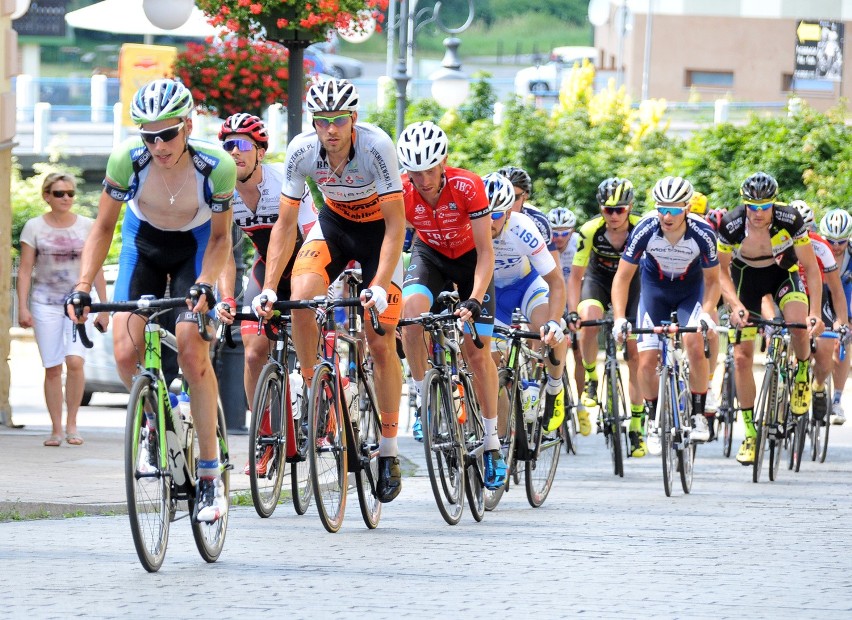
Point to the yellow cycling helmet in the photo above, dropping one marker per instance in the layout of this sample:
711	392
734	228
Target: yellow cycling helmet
698	203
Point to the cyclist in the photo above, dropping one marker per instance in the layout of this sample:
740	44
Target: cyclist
176	233
355	167
599	249
527	277
448	208
714	218
565	239
760	246
521	181
676	254
834	310
256	201
836	228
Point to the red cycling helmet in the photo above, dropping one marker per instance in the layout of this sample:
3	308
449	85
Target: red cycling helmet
248	124
714	218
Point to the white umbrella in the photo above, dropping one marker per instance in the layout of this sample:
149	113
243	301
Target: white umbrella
127	17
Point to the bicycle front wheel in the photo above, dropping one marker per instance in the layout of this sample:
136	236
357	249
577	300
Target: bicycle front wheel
473	431
443	446
763	419
210	537
798	446
268	439
726	410
612	418
148	487
665	421
327	450
367	477
300	464
508	403
569	425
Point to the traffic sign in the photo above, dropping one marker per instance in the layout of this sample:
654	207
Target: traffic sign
819	50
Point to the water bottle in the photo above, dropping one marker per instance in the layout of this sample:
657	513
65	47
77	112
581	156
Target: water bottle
458	400
185	418
350	397
297	386
530	400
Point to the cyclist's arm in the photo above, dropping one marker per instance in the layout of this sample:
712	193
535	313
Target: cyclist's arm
218	248
621	288
282	241
838	297
712	289
100	238
393	211
556	296
484	271
575	287
227	280
807	259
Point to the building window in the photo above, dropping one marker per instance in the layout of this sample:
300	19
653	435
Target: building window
793	84
709	79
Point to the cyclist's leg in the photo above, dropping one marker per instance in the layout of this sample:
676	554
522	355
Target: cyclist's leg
793	302
689	309
823	360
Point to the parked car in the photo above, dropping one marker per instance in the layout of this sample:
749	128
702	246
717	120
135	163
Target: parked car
101	371
547	78
333	64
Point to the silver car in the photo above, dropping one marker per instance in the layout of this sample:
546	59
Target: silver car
334	65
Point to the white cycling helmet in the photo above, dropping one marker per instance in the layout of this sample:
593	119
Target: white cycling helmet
160	100
560	217
500	192
673	189
422	146
806	212
332	95
836	225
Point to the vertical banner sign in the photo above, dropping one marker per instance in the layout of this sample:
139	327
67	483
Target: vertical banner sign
819	50
138	65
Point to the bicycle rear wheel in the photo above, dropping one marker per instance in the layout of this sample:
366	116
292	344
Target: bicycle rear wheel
819	433
443	446
210	537
268	439
148	487
508	403
726	410
665	420
367	477
327	450
473	431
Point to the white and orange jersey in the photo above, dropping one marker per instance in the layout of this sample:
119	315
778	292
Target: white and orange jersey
370	177
825	259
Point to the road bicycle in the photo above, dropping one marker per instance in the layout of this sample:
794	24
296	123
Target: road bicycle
344	424
453	429
278	434
522	381
161	447
818	430
673	421
613	412
727	413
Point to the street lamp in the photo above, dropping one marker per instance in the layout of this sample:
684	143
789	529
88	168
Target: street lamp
410	22
450	86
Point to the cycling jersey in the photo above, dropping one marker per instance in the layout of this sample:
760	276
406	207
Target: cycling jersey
786	232
128	169
846	277
258	224
519	249
825	259
594	249
446	227
566	256
369	178
541	222
661	261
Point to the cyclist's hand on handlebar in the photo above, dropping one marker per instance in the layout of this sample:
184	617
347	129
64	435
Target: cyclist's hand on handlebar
375	296
620	328
261	305
200	297
469	310
738	316
705	318
573	320
551	333
815	326
77	304
226	309
102	322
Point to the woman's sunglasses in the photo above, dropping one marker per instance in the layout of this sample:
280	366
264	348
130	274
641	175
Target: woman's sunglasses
164	135
62	193
242	145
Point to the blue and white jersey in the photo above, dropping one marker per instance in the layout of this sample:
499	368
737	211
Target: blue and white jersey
566	256
846	277
661	261
518	250
540	219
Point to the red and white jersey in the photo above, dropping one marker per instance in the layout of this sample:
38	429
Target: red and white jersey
825	259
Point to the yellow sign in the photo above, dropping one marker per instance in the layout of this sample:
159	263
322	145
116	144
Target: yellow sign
808	31
138	65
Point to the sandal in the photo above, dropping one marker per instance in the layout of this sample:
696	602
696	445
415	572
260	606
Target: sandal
54	441
74	439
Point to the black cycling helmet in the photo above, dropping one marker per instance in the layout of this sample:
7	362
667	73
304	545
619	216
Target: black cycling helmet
518	177
759	187
614	192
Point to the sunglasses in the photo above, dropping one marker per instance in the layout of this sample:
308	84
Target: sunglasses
62	193
561	233
837	241
242	145
519	196
496	215
324	121
613	210
164	135
752	206
674	211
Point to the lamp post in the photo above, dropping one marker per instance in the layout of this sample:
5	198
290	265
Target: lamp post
410	22
450	86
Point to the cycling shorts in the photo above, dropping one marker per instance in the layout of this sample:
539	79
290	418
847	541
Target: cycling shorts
597	291
334	241
429	272
753	283
255	287
828	316
154	260
656	304
528	293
